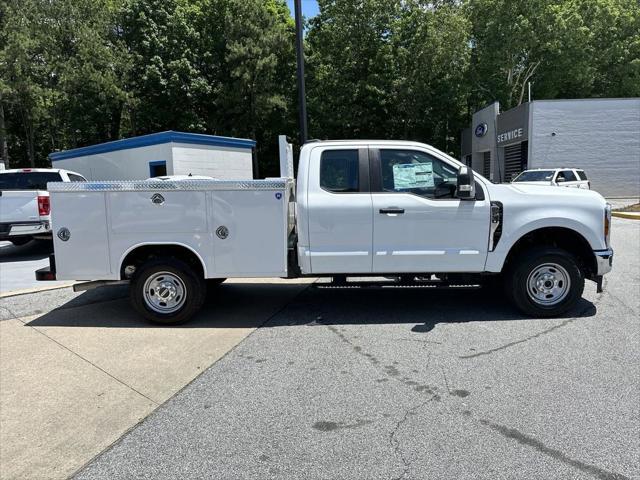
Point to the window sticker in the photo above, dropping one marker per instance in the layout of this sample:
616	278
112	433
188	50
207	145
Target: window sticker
413	175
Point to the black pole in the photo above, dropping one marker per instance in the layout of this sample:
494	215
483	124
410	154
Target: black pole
302	101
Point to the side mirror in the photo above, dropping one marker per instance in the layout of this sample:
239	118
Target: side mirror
466	188
561	180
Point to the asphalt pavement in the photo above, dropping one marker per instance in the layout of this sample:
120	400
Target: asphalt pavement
410	384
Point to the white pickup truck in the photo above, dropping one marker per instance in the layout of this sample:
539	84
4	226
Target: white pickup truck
24	202
388	209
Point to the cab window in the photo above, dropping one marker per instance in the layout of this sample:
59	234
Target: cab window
76	178
339	171
416	172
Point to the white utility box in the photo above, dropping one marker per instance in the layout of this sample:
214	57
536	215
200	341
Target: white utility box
235	228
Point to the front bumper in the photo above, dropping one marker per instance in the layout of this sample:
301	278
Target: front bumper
24	229
604	261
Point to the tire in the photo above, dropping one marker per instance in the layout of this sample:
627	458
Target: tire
545	282
167	291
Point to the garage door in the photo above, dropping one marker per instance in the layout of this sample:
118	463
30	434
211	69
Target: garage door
486	166
515	160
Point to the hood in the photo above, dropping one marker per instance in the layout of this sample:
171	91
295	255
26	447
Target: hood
541	192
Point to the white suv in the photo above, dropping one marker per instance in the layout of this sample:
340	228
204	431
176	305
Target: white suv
561	177
25	212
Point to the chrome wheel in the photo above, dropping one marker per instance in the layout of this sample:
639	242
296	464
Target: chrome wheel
548	284
164	292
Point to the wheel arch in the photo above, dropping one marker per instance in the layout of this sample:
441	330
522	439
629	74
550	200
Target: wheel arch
561	237
139	253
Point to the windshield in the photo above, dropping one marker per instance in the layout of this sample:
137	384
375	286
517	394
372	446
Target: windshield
535	176
27	180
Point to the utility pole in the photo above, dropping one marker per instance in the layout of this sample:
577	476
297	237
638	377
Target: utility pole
302	100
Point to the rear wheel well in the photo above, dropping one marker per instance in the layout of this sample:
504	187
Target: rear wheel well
558	237
144	253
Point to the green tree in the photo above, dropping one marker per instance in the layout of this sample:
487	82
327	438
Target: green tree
60	76
351	68
214	66
431	52
569	49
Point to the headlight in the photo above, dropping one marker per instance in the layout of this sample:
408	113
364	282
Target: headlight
607	224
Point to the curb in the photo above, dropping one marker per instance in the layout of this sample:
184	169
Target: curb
627	215
35	290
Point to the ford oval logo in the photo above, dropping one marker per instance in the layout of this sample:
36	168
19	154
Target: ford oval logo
481	130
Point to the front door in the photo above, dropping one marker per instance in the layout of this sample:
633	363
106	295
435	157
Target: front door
339	211
418	223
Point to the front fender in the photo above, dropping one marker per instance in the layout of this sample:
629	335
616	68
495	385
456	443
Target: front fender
584	225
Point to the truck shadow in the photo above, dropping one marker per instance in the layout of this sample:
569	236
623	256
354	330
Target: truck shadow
272	305
34	250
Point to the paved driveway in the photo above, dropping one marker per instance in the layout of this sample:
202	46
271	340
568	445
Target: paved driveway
18	264
410	384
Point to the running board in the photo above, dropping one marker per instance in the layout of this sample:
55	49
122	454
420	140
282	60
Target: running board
396	284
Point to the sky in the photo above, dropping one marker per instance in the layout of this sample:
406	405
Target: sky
309	8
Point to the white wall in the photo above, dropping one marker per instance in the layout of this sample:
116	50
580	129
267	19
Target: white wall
224	163
602	136
127	164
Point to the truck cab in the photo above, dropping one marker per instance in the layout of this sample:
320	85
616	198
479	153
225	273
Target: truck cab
387	207
390	209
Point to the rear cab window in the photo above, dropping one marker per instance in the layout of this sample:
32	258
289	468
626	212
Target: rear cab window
27	180
340	171
581	174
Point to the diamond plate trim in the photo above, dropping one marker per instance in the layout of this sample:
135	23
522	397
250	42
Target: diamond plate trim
168	185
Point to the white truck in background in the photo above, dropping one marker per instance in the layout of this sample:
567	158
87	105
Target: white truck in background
394	209
24	202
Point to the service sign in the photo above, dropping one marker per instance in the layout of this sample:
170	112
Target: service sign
517	134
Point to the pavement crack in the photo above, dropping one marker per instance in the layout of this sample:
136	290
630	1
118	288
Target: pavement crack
395	443
13	316
529	441
446	382
566	322
518	342
155	403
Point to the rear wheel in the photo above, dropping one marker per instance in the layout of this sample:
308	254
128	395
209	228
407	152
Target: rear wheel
545	282
167	291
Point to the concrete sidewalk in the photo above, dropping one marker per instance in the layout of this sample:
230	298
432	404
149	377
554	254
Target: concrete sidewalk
74	379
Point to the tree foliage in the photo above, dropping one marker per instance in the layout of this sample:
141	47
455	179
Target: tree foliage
78	72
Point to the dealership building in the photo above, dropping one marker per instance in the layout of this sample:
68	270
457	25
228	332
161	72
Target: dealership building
601	136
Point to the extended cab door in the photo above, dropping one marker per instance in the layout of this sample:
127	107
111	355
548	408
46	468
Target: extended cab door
339	210
418	223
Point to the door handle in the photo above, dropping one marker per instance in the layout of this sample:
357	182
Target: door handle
394	210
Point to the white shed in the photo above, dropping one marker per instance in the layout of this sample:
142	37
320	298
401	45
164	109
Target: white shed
164	153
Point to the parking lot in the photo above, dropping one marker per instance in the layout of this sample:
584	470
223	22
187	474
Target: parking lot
17	265
280	379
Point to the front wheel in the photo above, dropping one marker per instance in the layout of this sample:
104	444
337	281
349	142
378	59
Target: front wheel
545	282
167	291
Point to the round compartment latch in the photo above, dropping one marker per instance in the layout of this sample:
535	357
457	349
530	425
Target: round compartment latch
222	232
64	234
